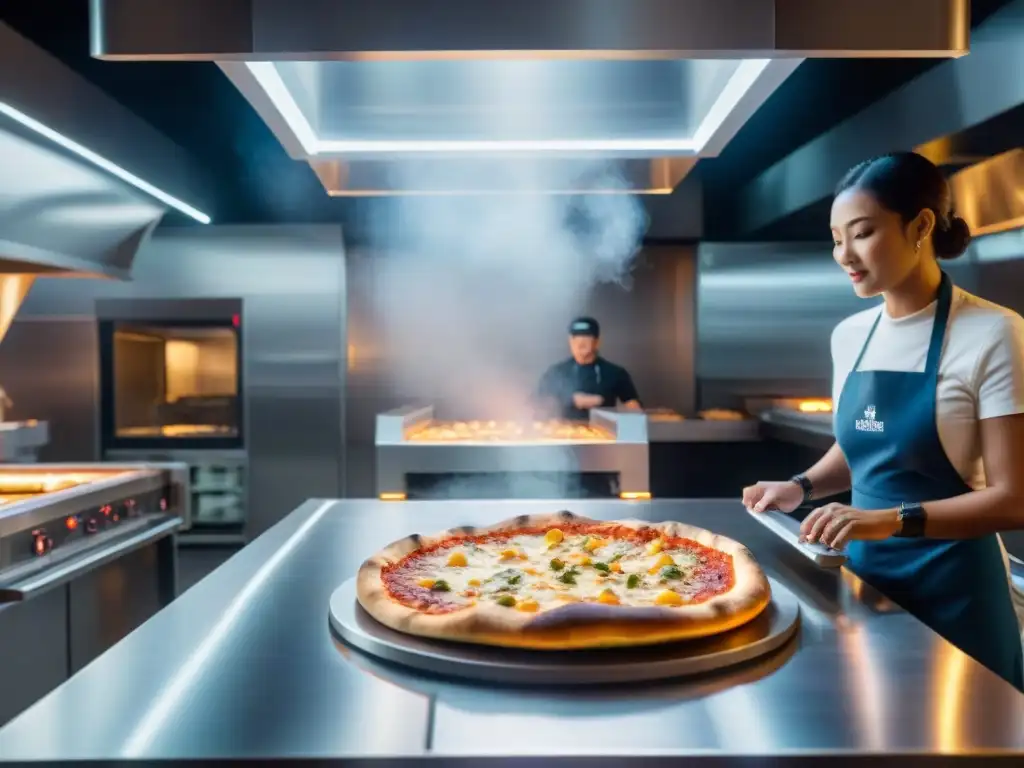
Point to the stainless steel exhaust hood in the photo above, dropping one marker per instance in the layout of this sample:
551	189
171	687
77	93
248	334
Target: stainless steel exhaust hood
990	194
72	197
406	97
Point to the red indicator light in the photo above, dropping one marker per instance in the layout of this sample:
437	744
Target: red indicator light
71	523
41	543
236	320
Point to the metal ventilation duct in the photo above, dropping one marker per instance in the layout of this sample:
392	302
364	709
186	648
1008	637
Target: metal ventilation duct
990	195
407	97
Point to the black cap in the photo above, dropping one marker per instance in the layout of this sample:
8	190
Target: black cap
584	326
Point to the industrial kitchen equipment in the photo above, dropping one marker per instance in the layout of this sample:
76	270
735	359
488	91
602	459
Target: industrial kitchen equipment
804	421
171	383
87	554
711	426
538	458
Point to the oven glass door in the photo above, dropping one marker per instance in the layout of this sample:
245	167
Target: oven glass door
171	385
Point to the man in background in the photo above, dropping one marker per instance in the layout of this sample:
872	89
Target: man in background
586	380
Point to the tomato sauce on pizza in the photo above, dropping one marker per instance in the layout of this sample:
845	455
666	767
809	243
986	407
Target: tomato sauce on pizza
539	568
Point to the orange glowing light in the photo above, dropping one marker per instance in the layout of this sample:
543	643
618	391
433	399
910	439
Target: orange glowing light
635	495
392	497
71	523
815	406
506	431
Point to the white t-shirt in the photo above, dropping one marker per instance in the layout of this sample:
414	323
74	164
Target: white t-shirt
981	371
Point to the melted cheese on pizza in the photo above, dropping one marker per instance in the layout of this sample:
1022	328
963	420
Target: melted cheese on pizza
537	571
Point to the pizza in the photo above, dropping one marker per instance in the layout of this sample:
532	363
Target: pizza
561	581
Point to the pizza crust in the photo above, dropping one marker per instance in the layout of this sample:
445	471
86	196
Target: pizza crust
574	625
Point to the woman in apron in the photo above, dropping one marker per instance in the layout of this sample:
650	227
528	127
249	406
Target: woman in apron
929	418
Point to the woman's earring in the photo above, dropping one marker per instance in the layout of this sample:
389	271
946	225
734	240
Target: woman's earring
917	247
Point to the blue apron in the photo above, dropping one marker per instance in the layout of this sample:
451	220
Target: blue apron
885	426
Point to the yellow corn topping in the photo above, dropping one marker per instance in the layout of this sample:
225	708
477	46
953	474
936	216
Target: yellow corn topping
457	560
661	562
668	597
593	543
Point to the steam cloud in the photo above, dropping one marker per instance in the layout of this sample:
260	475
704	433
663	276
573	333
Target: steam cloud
476	290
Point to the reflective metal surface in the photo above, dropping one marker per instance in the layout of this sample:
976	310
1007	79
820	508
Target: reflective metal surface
291	281
987	195
925	113
787	528
656	663
82	486
77	165
508	126
765	316
672	428
329	29
651	79
244	665
619	447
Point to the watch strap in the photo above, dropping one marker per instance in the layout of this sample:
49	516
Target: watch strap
805	484
912	518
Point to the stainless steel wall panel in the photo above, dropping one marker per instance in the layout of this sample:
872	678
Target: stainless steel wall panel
765	315
49	367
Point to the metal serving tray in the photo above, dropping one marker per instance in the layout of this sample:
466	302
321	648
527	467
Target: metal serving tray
768	632
788	529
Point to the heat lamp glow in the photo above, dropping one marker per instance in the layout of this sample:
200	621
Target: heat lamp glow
101	162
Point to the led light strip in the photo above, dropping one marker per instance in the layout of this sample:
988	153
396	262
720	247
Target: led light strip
268	78
101	162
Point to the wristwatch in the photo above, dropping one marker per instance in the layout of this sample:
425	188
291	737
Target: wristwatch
805	485
912	518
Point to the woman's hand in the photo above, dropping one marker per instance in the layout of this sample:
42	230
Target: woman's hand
835	524
783	496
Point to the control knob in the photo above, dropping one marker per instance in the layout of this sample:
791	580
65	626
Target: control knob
92	525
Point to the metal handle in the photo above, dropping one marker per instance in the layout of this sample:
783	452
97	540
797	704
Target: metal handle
788	529
76	566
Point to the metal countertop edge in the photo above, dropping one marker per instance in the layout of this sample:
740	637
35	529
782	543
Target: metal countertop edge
710	758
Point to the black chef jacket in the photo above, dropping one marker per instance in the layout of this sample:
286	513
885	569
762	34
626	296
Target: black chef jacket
562	380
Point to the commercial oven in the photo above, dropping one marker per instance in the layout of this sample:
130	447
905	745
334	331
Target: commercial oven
172	389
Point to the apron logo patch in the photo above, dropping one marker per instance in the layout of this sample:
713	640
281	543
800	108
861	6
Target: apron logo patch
868	423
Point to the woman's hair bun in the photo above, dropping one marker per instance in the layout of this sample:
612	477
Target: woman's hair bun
952	240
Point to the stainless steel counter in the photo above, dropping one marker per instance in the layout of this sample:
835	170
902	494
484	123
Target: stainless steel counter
243	665
813	430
